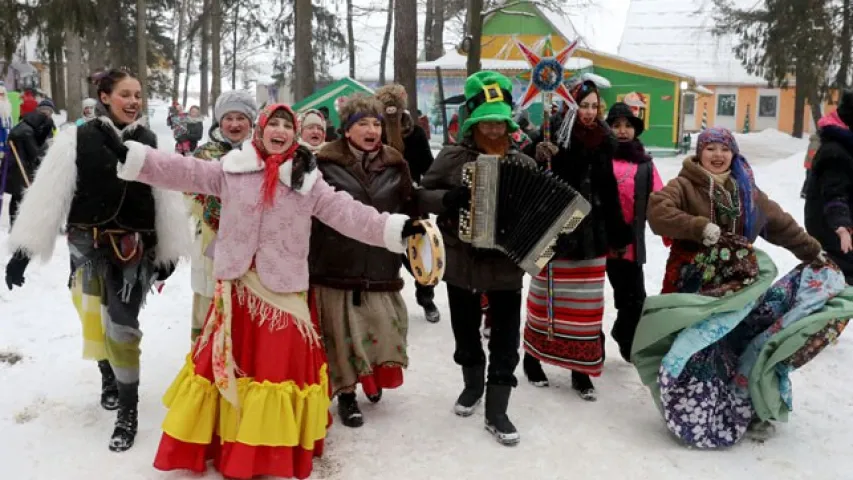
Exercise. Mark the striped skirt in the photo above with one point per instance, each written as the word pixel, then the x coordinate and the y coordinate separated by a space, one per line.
pixel 570 337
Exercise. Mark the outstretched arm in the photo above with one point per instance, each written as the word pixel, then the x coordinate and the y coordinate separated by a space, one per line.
pixel 171 171
pixel 356 220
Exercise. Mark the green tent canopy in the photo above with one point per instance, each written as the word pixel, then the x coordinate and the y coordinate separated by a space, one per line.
pixel 326 97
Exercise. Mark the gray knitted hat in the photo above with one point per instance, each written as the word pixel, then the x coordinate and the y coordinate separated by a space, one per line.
pixel 235 101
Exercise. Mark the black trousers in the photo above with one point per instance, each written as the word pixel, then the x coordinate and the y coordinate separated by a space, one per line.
pixel 423 293
pixel 629 293
pixel 14 204
pixel 466 316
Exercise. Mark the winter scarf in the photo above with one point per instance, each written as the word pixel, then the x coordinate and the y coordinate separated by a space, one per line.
pixel 590 136
pixel 632 151
pixel 273 161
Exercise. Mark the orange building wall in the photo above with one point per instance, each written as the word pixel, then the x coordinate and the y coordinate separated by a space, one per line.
pixel 748 95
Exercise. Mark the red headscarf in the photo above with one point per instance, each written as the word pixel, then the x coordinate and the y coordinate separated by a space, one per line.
pixel 272 162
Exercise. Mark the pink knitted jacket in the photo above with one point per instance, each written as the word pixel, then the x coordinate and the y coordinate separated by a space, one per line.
pixel 276 236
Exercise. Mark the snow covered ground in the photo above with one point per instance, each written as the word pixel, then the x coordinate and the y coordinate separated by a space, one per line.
pixel 51 426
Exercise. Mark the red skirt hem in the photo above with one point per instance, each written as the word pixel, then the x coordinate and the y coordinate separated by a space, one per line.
pixel 236 460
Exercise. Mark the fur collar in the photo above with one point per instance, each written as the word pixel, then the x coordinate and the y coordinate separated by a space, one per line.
pixel 339 152
pixel 140 122
pixel 246 160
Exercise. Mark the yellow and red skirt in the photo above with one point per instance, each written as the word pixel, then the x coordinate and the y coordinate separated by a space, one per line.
pixel 279 422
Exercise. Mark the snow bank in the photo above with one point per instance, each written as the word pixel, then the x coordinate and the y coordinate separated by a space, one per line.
pixel 768 146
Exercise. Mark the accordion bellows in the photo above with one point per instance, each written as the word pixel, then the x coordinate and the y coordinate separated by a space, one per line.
pixel 518 209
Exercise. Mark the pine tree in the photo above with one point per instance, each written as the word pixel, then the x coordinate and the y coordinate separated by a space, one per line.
pixel 746 120
pixel 783 40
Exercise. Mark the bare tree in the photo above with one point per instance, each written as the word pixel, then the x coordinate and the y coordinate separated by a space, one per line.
pixel 205 56
pixel 406 48
pixel 176 62
pixel 429 20
pixel 235 29
pixel 216 47
pixel 350 40
pixel 75 74
pixel 845 44
pixel 475 36
pixel 303 72
pixel 96 51
pixel 142 50
pixel 386 39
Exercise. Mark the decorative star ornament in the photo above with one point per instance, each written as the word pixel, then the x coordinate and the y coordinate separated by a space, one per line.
pixel 548 72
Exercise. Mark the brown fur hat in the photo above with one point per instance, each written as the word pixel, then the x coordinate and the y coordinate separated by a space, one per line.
pixel 359 106
pixel 392 95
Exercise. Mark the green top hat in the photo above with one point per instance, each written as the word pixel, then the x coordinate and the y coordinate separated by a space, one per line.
pixel 488 98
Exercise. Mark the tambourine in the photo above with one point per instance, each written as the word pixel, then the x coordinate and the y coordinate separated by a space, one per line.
pixel 426 254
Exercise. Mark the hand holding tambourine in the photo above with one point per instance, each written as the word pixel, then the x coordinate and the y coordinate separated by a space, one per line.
pixel 426 254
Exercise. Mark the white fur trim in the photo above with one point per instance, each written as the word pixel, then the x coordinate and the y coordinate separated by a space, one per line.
pixel 242 160
pixel 47 202
pixel 172 224
pixel 393 233
pixel 285 175
pixel 133 163
pixel 140 122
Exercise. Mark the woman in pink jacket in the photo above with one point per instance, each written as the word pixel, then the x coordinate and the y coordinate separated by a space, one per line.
pixel 636 179
pixel 254 394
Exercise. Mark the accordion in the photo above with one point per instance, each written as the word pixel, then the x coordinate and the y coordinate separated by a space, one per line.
pixel 518 209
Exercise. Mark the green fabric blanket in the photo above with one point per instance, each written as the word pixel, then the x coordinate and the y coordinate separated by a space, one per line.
pixel 664 316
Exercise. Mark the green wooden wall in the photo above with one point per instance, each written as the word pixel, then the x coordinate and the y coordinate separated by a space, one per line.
pixel 662 98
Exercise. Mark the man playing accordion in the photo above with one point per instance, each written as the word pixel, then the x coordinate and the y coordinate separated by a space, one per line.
pixel 472 271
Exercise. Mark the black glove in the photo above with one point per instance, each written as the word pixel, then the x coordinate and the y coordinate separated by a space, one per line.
pixel 410 229
pixel 113 141
pixel 456 199
pixel 304 162
pixel 15 269
pixel 165 272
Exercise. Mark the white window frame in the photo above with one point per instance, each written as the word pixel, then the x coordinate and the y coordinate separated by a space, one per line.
pixel 728 94
pixel 767 94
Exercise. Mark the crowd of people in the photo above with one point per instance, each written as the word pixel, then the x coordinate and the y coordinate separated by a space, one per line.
pixel 300 230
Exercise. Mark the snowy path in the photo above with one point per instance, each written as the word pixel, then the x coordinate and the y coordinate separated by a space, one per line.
pixel 51 426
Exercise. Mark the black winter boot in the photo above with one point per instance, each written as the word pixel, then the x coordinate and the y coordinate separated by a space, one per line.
pixel 475 383
pixel 497 421
pixel 424 295
pixel 126 419
pixel 582 384
pixel 348 410
pixel 109 389
pixel 533 370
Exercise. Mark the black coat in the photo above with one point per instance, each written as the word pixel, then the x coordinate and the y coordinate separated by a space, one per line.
pixel 101 199
pixel 418 152
pixel 829 193
pixel 590 172
pixel 30 140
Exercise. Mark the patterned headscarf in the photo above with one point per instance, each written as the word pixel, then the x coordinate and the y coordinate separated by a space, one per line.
pixel 717 135
pixel 741 173
pixel 272 162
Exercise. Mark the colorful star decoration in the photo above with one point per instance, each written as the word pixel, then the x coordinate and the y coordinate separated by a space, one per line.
pixel 548 71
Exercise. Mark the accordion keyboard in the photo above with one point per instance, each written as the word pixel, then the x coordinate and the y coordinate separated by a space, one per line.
pixel 518 209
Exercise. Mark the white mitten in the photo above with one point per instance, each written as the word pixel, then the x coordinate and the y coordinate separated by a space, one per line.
pixel 710 235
